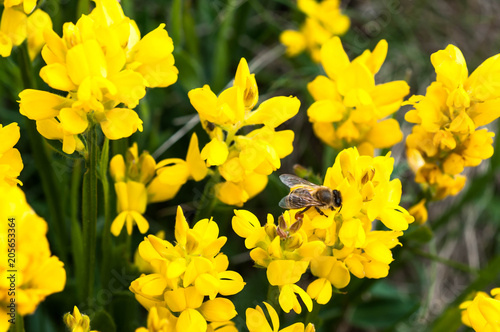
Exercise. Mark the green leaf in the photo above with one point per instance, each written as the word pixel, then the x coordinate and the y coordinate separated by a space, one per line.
pixel 190 35
pixel 129 310
pixel 420 234
pixel 449 321
pixel 192 73
pixel 104 161
pixel 221 63
pixel 383 313
pixel 329 155
pixel 77 249
pixel 175 28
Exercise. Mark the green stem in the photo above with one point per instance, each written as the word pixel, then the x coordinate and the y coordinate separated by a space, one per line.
pixel 312 316
pixel 329 155
pixel 76 231
pixel 106 236
pixel 44 166
pixel 83 8
pixel 208 200
pixel 89 211
pixel 19 325
pixel 26 67
pixel 450 263
pixel 128 248
pixel 273 293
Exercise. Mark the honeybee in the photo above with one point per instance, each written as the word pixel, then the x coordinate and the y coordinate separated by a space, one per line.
pixel 305 194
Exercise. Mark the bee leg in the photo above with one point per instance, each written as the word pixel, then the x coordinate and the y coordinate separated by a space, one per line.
pixel 340 209
pixel 302 212
pixel 332 208
pixel 320 212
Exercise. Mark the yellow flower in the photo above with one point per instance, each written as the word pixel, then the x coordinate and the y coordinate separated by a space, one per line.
pixel 142 265
pixel 159 320
pixel 39 274
pixel 285 273
pixel 77 322
pixel 140 180
pixel 243 161
pixel 419 212
pixel 132 199
pixel 27 5
pixel 17 25
pixel 330 271
pixel 172 173
pixel 283 249
pixel 12 30
pixel 38 21
pixel 228 326
pixel 445 137
pixel 323 21
pixel 215 152
pixel 11 163
pixel 103 67
pixel 332 244
pixel 247 83
pixel 349 109
pixel 184 274
pixel 162 320
pixel 483 312
pixel 256 321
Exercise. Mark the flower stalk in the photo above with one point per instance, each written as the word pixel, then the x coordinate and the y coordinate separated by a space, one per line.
pixel 19 325
pixel 89 210
pixel 208 199
pixel 312 316
pixel 76 230
pixel 106 236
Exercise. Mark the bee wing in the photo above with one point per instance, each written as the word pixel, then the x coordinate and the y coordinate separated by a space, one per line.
pixel 298 198
pixel 294 181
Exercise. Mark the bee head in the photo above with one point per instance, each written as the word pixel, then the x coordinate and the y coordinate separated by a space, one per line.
pixel 324 196
pixel 337 198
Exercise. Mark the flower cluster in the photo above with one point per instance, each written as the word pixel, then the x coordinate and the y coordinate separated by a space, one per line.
pixel 445 137
pixel 100 63
pixel 483 312
pixel 160 319
pixel 331 243
pixel 139 180
pixel 38 273
pixel 257 322
pixel 11 163
pixel 184 275
pixel 323 21
pixel 76 322
pixel 20 21
pixel 349 108
pixel 244 161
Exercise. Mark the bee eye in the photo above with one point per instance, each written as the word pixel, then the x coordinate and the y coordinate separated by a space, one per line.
pixel 337 198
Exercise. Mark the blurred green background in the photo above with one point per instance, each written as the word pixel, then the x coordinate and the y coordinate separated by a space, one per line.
pixel 438 263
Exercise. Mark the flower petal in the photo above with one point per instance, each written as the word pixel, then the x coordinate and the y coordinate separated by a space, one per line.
pixel 121 122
